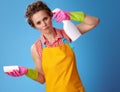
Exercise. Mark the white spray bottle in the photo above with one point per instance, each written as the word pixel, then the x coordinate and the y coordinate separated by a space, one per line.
pixel 70 29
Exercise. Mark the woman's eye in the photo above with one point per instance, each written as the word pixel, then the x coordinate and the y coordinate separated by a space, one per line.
pixel 38 22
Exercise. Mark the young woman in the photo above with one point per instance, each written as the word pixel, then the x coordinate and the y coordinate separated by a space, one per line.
pixel 53 56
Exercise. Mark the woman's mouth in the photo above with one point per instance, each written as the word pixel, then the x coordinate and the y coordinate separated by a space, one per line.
pixel 45 28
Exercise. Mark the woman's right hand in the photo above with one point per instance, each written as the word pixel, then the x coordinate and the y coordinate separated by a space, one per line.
pixel 60 15
pixel 18 72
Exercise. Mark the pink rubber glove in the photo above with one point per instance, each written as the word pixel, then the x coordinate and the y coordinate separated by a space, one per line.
pixel 61 15
pixel 17 73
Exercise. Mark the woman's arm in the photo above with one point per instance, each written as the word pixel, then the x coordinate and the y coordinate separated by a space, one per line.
pixel 89 23
pixel 38 65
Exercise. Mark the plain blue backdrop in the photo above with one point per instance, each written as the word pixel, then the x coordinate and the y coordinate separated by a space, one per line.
pixel 97 52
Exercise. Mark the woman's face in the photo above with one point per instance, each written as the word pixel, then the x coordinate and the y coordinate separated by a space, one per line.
pixel 42 21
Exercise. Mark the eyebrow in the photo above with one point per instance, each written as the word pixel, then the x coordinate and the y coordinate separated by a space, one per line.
pixel 45 17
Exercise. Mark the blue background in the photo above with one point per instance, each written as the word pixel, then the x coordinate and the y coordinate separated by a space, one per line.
pixel 97 52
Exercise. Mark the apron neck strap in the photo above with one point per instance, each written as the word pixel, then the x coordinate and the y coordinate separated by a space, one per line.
pixel 64 40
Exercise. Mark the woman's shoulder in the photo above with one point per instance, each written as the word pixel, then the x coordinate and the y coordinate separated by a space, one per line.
pixel 35 54
pixel 36 47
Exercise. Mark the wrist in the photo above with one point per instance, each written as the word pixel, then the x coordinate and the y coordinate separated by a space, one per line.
pixel 31 73
pixel 77 16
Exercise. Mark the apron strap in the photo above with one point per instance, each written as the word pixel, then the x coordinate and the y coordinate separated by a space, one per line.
pixel 43 45
pixel 64 40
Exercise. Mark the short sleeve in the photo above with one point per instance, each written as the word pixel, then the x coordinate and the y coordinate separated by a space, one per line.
pixel 38 46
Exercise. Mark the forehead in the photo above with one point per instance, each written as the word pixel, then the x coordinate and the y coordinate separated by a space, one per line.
pixel 39 15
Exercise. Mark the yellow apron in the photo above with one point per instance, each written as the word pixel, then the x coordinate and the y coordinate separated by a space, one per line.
pixel 59 66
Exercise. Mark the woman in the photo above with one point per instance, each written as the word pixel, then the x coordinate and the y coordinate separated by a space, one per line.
pixel 53 57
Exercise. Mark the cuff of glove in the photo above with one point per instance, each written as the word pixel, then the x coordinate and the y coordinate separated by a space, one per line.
pixel 33 74
pixel 77 16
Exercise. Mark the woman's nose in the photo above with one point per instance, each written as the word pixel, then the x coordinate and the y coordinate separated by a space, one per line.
pixel 43 24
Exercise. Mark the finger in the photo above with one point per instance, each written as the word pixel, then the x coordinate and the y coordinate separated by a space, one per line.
pixel 16 73
pixel 57 14
pixel 60 19
pixel 10 74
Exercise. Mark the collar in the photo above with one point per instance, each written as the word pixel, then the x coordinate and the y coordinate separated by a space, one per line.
pixel 58 36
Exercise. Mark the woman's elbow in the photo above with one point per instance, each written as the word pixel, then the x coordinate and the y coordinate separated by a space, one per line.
pixel 42 82
pixel 40 79
pixel 97 21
